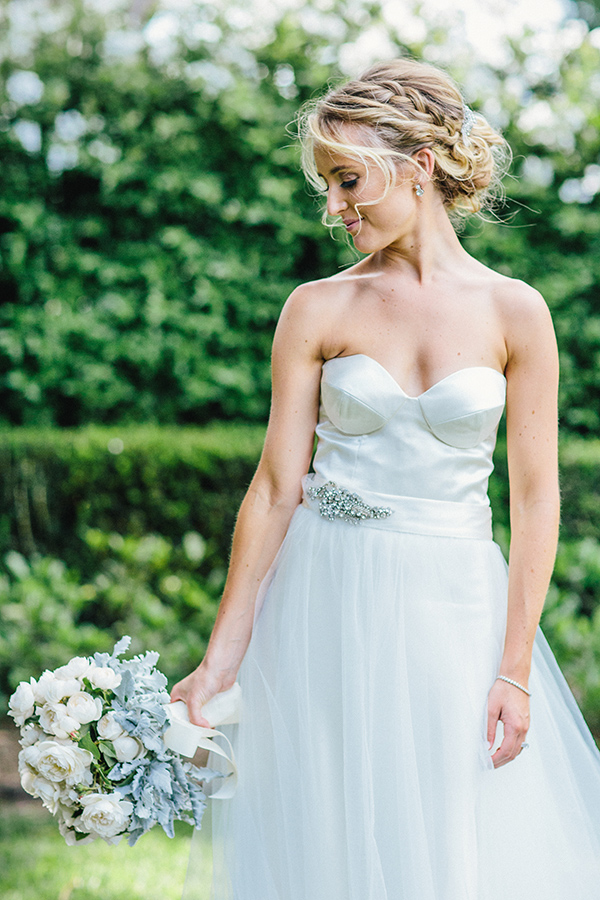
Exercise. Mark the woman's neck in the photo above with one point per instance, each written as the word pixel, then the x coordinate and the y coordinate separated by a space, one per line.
pixel 429 249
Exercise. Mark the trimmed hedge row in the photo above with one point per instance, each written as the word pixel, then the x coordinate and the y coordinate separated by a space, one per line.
pixel 56 484
pixel 136 480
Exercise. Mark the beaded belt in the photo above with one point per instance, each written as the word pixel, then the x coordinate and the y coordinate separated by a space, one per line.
pixel 413 515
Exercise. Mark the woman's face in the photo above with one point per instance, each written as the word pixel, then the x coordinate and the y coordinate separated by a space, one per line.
pixel 353 193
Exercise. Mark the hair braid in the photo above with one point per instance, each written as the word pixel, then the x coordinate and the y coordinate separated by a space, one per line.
pixel 406 105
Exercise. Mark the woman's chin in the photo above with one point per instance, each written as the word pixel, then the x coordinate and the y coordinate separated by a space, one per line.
pixel 364 244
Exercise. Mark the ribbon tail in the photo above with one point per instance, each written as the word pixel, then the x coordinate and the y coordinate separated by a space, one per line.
pixel 229 784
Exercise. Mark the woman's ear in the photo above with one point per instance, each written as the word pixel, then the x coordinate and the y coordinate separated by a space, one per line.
pixel 425 159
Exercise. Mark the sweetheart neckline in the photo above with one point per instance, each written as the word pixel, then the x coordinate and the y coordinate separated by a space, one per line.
pixel 400 388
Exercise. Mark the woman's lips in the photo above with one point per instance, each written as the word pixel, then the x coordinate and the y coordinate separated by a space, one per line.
pixel 351 224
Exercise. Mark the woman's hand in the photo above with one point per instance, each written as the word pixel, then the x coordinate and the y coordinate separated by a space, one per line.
pixel 510 705
pixel 195 690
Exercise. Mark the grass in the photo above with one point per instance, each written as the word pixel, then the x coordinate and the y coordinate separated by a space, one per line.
pixel 36 864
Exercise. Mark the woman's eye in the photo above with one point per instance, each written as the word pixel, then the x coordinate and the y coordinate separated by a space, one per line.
pixel 349 184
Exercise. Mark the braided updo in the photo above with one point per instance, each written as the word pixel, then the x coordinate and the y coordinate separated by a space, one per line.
pixel 403 106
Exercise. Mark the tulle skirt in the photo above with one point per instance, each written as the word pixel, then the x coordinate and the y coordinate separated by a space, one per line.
pixel 364 769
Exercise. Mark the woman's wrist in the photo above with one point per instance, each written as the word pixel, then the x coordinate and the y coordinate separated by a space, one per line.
pixel 516 667
pixel 514 683
pixel 220 672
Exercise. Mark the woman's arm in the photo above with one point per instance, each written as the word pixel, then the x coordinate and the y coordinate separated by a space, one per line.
pixel 272 497
pixel 532 427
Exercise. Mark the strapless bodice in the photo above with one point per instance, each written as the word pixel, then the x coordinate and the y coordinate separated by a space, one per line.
pixel 439 445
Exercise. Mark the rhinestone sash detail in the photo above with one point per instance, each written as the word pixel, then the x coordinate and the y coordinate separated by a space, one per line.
pixel 338 503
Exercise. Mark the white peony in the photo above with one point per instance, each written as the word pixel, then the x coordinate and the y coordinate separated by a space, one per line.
pixel 128 748
pixel 104 815
pixel 109 728
pixel 62 762
pixel 104 678
pixel 78 667
pixel 55 719
pixel 83 707
pixel 22 703
pixel 49 792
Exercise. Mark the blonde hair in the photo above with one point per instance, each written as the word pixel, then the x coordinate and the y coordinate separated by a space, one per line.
pixel 403 106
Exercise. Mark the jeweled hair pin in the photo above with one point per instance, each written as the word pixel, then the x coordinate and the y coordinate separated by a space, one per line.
pixel 468 122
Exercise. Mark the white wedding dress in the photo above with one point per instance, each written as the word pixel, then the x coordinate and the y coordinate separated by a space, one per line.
pixel 364 771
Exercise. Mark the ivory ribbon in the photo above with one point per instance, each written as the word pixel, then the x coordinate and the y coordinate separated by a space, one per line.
pixel 182 736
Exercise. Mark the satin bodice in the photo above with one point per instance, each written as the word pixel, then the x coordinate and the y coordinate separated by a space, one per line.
pixel 439 445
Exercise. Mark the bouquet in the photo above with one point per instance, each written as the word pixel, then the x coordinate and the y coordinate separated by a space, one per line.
pixel 93 750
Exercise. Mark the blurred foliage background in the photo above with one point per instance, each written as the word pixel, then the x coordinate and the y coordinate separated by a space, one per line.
pixel 153 219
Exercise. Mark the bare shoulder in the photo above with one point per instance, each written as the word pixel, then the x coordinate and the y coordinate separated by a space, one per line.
pixel 312 308
pixel 322 292
pixel 517 303
pixel 527 326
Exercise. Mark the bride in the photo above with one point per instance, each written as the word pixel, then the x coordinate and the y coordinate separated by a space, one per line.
pixel 406 733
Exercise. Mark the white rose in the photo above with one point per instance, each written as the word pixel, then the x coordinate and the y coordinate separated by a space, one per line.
pixel 31 734
pixel 65 826
pixel 69 798
pixel 83 707
pixel 104 678
pixel 44 690
pixel 22 703
pixel 104 815
pixel 62 762
pixel 27 780
pixel 28 758
pixel 70 686
pixel 49 792
pixel 78 667
pixel 55 719
pixel 50 689
pixel 109 728
pixel 128 748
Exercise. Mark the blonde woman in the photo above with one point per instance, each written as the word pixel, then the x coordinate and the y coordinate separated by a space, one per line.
pixel 406 733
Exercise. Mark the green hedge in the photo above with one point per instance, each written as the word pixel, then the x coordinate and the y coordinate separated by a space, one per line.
pixel 56 484
pixel 136 480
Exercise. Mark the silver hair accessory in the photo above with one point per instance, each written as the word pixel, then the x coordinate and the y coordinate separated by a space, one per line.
pixel 468 122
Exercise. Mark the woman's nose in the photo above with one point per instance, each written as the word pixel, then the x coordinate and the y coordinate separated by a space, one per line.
pixel 336 201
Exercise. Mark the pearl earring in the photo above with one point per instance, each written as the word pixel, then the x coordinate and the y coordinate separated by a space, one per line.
pixel 419 190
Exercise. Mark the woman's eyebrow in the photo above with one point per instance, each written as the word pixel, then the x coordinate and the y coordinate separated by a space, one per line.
pixel 335 170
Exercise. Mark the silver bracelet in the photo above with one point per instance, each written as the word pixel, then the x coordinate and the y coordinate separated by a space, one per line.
pixel 514 683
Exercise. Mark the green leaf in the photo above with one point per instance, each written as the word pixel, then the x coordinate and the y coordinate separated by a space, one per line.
pixel 107 748
pixel 86 743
